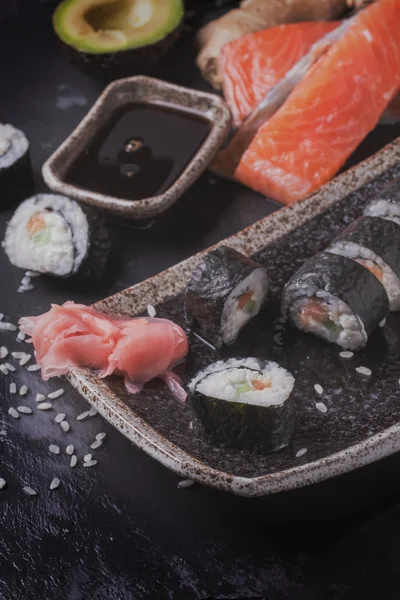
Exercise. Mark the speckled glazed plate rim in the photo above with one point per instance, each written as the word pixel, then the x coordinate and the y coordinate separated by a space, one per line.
pixel 151 90
pixel 171 282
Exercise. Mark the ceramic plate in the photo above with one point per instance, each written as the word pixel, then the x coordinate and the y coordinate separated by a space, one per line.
pixel 361 423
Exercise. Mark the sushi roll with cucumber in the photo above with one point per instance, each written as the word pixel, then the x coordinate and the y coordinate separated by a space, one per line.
pixel 245 403
pixel 336 299
pixel 387 204
pixel 16 181
pixel 225 291
pixel 374 242
pixel 55 235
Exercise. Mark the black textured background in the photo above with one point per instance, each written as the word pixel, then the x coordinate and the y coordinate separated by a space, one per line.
pixel 123 530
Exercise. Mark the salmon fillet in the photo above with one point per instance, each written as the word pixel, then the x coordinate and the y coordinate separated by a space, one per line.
pixel 254 63
pixel 330 112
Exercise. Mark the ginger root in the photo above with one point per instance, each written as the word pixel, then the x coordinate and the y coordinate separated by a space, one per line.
pixel 254 15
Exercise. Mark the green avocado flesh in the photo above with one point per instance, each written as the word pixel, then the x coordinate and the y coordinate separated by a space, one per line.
pixel 105 26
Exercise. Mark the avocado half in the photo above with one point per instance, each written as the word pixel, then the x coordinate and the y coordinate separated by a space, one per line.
pixel 116 38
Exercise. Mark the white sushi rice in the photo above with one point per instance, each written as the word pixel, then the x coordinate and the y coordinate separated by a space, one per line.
pixel 13 145
pixel 3 352
pixel 384 209
pixel 13 412
pixel 7 326
pixel 321 407
pixel 364 371
pixel 59 242
pixel 10 367
pixel 70 449
pixel 54 449
pixel 24 410
pixel 301 452
pixel 55 394
pixel 3 483
pixel 33 368
pixel 346 354
pixel 60 417
pixel 30 491
pixel 229 380
pixel 54 484
pixel 100 436
pixel 44 406
pixel 65 426
pixel 13 388
pixel 21 336
pixel 352 334
pixel 91 463
pixel 185 483
pixel 96 444
pixel 3 369
pixel 390 281
pixel 23 390
pixel 74 460
pixel 233 318
pixel 82 416
pixel 151 311
pixel 87 457
pixel 40 397
pixel 25 359
pixel 318 388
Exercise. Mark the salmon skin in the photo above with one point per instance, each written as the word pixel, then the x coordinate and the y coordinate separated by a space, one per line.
pixel 329 113
pixel 253 64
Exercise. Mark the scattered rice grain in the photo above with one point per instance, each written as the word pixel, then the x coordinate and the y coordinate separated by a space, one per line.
pixel 65 426
pixel 54 449
pixel 25 360
pixel 82 416
pixel 55 394
pixel 321 407
pixel 28 490
pixel 60 417
pixel 23 390
pixel 346 354
pixel 318 388
pixel 364 371
pixel 3 483
pixel 18 355
pixel 92 412
pixel 100 436
pixel 7 326
pixel 25 280
pixel 185 483
pixel 87 457
pixel 3 352
pixel 34 368
pixel 40 397
pixel 25 288
pixel 3 432
pixel 1 316
pixel 21 336
pixel 69 449
pixel 13 388
pixel 32 274
pixel 91 463
pixel 151 311
pixel 45 406
pixel 301 452
pixel 24 410
pixel 54 484
pixel 10 367
pixel 382 323
pixel 13 412
pixel 4 369
pixel 96 444
pixel 73 461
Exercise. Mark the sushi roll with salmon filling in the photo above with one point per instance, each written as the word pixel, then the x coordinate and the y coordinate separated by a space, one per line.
pixel 225 291
pixel 336 299
pixel 374 243
pixel 55 235
pixel 16 182
pixel 387 204
pixel 245 403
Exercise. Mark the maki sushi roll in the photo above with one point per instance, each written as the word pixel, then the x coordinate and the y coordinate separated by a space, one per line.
pixel 387 204
pixel 245 403
pixel 225 291
pixel 55 235
pixel 374 243
pixel 336 299
pixel 16 181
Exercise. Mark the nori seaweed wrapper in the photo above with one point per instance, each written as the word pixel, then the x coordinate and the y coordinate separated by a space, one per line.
pixel 345 279
pixel 261 429
pixel 379 235
pixel 16 181
pixel 98 250
pixel 209 287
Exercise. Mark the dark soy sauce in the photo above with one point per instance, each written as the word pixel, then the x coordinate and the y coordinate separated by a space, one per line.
pixel 140 152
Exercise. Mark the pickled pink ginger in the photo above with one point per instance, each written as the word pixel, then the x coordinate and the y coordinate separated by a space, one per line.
pixel 142 348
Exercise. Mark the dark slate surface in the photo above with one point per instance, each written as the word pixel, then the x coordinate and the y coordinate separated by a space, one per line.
pixel 123 530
